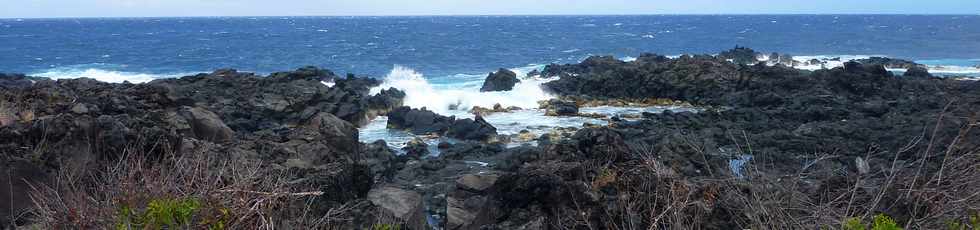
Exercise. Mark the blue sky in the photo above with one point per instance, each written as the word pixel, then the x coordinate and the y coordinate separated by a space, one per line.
pixel 154 8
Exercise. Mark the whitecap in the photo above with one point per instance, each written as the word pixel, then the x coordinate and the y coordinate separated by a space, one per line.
pixel 462 93
pixel 102 75
pixel 648 36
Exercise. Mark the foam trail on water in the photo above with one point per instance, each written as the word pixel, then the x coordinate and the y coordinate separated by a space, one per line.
pixel 420 92
pixel 101 75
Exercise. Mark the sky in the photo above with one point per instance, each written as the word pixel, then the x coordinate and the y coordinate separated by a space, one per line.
pixel 180 8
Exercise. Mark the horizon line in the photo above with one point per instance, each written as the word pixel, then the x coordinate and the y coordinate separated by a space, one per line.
pixel 498 15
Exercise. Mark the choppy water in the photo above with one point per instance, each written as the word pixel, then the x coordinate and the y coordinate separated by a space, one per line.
pixel 442 60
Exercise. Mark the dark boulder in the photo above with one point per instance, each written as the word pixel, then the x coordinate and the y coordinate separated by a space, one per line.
pixel 893 63
pixel 416 149
pixel 917 71
pixel 502 80
pixel 740 55
pixel 206 125
pixel 419 121
pixel 476 129
pixel 555 107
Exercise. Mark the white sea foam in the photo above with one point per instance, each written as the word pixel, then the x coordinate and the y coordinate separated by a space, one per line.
pixel 102 75
pixel 419 92
pixel 833 61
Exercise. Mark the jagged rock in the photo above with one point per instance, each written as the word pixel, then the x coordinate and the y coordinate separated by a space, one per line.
pixel 476 182
pixel 79 108
pixel 416 148
pixel 917 71
pixel 405 206
pixel 740 55
pixel 502 80
pixel 419 121
pixel 206 125
pixel 555 107
pixel 476 129
pixel 890 62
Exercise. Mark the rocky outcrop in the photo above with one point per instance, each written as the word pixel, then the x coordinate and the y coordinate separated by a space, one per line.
pixel 476 129
pixel 502 80
pixel 421 121
pixel 556 107
pixel 892 63
pixel 783 113
pixel 740 55
pixel 287 120
pixel 687 78
pixel 203 124
pixel 403 206
pixel 466 205
pixel 917 71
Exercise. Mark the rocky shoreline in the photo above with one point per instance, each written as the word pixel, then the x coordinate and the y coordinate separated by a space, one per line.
pixel 770 137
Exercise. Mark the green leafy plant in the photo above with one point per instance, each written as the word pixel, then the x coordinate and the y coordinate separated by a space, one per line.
pixel 159 213
pixel 170 212
pixel 854 223
pixel 972 224
pixel 880 222
pixel 386 227
pixel 883 222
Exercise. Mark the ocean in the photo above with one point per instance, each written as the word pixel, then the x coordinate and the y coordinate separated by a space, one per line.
pixel 442 60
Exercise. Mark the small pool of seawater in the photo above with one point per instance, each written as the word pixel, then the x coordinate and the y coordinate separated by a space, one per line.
pixel 511 123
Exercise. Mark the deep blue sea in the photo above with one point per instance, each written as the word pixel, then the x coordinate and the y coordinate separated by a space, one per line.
pixel 441 61
pixel 441 46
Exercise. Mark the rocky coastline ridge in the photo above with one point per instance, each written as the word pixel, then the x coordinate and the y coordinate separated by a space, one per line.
pixel 773 148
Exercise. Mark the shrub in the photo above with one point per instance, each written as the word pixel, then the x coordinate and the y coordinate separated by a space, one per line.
pixel 190 191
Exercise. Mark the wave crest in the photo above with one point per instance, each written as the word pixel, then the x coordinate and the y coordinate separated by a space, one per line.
pixel 440 97
pixel 101 75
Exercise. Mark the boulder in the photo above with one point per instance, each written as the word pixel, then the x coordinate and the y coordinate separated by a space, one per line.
pixel 206 125
pixel 467 203
pixel 476 129
pixel 917 71
pixel 740 55
pixel 419 121
pixel 476 182
pixel 404 206
pixel 502 80
pixel 416 148
pixel 557 107
pixel 894 63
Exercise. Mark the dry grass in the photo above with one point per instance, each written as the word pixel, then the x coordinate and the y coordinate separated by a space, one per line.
pixel 226 193
pixel 936 187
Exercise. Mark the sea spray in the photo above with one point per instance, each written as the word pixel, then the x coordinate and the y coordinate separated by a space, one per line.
pixel 463 95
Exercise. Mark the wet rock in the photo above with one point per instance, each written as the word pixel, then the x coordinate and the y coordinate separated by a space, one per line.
pixel 476 129
pixel 419 121
pixel 497 108
pixel 502 80
pixel 890 62
pixel 917 71
pixel 534 73
pixel 555 107
pixel 416 149
pixel 740 55
pixel 405 206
